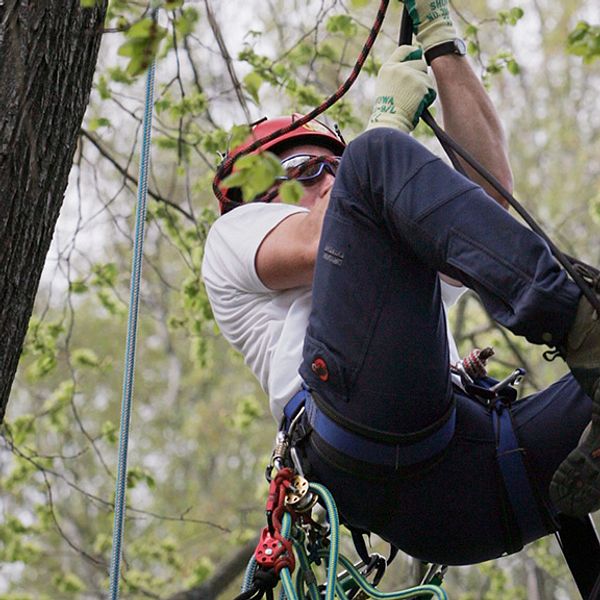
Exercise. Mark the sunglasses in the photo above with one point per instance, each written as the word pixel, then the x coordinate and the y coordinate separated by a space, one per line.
pixel 307 168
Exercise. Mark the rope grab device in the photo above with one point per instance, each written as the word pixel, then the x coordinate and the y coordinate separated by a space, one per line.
pixel 302 521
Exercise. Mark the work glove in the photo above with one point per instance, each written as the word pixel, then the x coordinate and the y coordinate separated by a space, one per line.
pixel 431 22
pixel 404 89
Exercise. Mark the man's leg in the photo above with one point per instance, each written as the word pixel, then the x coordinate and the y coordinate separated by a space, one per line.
pixel 429 218
pixel 456 511
pixel 397 216
pixel 376 347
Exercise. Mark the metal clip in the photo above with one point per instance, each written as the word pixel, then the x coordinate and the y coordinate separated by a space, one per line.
pixel 512 380
pixel 279 453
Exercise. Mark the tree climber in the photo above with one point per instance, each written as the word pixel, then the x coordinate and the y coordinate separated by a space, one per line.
pixel 346 294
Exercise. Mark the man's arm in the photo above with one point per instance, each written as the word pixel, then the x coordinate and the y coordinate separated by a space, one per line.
pixel 286 257
pixel 471 119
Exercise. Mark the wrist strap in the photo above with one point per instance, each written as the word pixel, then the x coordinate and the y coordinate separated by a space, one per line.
pixel 456 46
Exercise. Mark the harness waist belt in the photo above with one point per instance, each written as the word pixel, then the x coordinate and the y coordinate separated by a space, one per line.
pixel 368 450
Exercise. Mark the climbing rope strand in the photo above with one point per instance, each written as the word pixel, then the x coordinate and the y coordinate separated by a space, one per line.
pixel 414 592
pixel 130 347
pixel 335 586
pixel 225 167
pixel 563 259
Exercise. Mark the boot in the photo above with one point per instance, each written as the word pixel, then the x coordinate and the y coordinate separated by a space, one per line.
pixel 575 486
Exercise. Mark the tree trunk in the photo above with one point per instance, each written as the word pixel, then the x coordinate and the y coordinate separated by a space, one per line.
pixel 48 52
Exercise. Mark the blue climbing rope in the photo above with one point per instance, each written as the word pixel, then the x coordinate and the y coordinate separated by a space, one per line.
pixel 134 301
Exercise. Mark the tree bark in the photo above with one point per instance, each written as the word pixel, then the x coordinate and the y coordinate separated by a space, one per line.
pixel 48 53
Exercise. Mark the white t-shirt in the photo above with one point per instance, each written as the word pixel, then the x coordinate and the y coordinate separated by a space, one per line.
pixel 266 326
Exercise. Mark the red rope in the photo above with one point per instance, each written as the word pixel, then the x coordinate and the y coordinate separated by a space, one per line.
pixel 226 166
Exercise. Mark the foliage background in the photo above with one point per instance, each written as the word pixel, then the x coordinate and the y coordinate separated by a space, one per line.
pixel 201 432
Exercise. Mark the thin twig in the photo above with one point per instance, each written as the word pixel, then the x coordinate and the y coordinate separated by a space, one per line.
pixel 130 177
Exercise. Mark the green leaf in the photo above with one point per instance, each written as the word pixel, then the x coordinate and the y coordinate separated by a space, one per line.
pixel 89 3
pixel 84 357
pixel 78 286
pixel 118 75
pixel 238 135
pixel 137 475
pixel 291 192
pixel 68 583
pixel 343 24
pixel 105 274
pixel 102 87
pixel 42 366
pixel 163 104
pixel 172 4
pixel 110 302
pixel 471 30
pixel 200 573
pixel 21 428
pixel 517 13
pixel 254 174
pixel 248 410
pixel 186 22
pixel 252 82
pixel 61 396
pixel 472 48
pixel 308 96
pixel 513 67
pixel 584 41
pixel 98 122
pixel 142 45
pixel 109 432
pixel 102 543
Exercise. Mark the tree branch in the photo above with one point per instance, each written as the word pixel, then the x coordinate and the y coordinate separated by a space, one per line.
pixel 222 577
pixel 106 154
pixel 227 58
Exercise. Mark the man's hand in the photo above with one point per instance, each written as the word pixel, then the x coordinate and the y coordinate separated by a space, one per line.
pixel 431 22
pixel 403 90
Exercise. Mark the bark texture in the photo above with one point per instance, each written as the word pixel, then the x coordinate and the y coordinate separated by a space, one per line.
pixel 48 53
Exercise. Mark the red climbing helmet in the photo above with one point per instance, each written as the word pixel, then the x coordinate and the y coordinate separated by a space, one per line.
pixel 313 132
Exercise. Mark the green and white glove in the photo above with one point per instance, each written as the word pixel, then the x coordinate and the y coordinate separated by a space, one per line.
pixel 431 22
pixel 404 89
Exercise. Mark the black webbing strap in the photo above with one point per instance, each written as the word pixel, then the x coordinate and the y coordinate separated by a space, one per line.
pixel 579 543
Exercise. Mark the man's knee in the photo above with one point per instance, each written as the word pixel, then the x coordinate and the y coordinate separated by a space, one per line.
pixel 379 141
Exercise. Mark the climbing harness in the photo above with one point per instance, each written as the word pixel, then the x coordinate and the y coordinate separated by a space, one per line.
pixel 302 533
pixel 294 504
pixel 130 348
